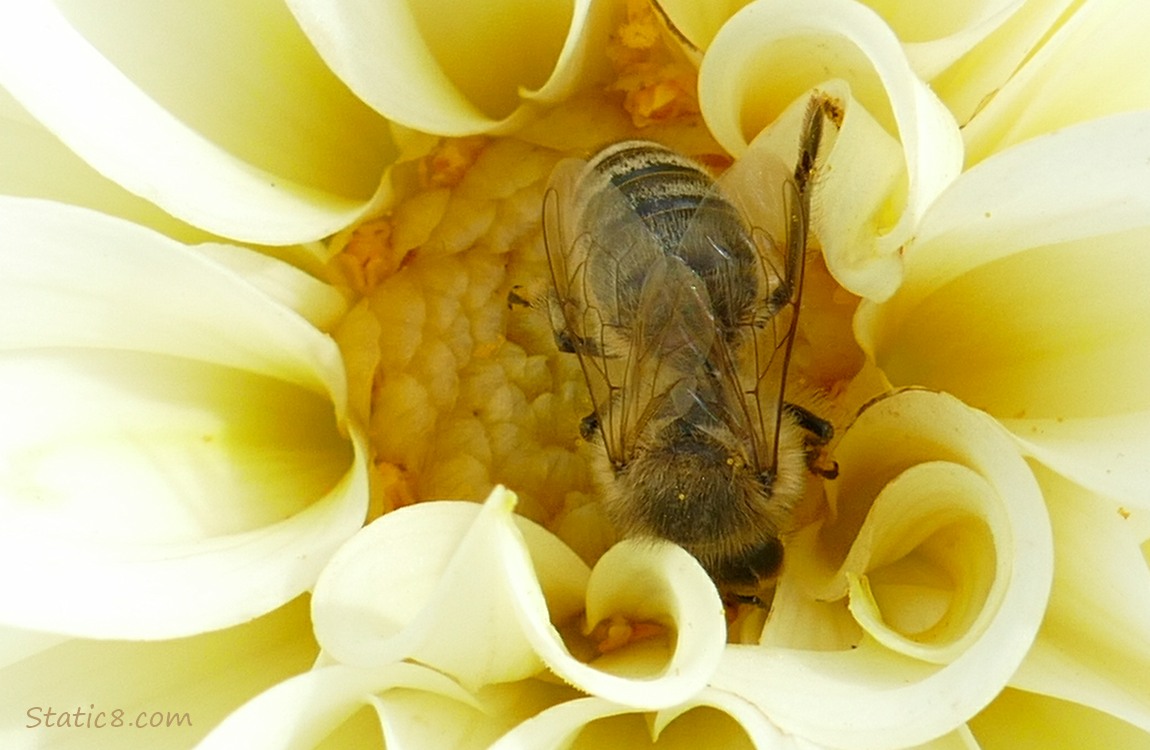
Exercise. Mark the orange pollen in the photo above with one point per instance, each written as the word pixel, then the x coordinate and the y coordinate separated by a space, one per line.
pixel 448 162
pixel 617 631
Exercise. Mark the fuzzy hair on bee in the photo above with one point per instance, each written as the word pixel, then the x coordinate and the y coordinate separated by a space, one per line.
pixel 671 289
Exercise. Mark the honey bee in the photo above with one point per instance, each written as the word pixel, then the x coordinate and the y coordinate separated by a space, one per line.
pixel 683 312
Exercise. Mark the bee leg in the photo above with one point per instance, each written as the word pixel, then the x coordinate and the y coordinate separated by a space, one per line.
pixel 820 430
pixel 819 433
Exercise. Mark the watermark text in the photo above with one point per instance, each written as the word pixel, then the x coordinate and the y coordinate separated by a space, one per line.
pixel 50 717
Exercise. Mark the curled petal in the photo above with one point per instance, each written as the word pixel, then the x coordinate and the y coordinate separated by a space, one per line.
pixel 947 564
pixel 442 583
pixel 1092 648
pixel 897 146
pixel 457 70
pixel 712 718
pixel 302 711
pixel 1024 295
pixel 94 81
pixel 175 450
pixel 924 575
pixel 730 722
pixel 560 726
pixel 490 590
pixel 1067 81
pixel 676 594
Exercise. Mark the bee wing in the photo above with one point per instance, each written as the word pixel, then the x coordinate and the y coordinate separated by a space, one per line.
pixel 751 359
pixel 674 334
pixel 639 321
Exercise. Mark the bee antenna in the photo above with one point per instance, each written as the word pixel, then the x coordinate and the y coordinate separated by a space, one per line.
pixel 820 107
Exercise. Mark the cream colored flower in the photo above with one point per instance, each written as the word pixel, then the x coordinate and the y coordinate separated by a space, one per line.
pixel 147 494
pixel 934 594
pixel 177 455
pixel 143 693
pixel 224 117
pixel 1029 310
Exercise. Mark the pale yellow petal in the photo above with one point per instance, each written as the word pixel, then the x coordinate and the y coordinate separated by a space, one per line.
pixel 699 22
pixel 947 562
pixel 175 442
pixel 186 686
pixel 561 726
pixel 898 146
pixel 1093 647
pixel 444 584
pixel 1093 65
pixel 1018 720
pixel 320 304
pixel 38 165
pixel 713 718
pixel 302 711
pixel 222 116
pixel 1109 454
pixel 456 69
pixel 973 80
pixel 727 720
pixel 934 40
pixel 492 592
pixel 678 595
pixel 960 739
pixel 1025 296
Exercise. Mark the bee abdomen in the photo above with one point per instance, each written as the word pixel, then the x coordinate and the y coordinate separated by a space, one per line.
pixel 662 187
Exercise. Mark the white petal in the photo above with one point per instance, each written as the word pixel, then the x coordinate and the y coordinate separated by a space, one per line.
pixel 1024 295
pixel 322 305
pixel 896 137
pixel 302 711
pixel 676 593
pixel 251 151
pixel 442 583
pixel 1093 647
pixel 558 727
pixel 712 719
pixel 1109 454
pixel 937 39
pixel 1019 719
pixel 699 22
pixel 886 691
pixel 38 165
pixel 968 84
pixel 455 70
pixel 1092 66
pixel 203 679
pixel 488 590
pixel 959 739
pixel 175 448
pixel 744 724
